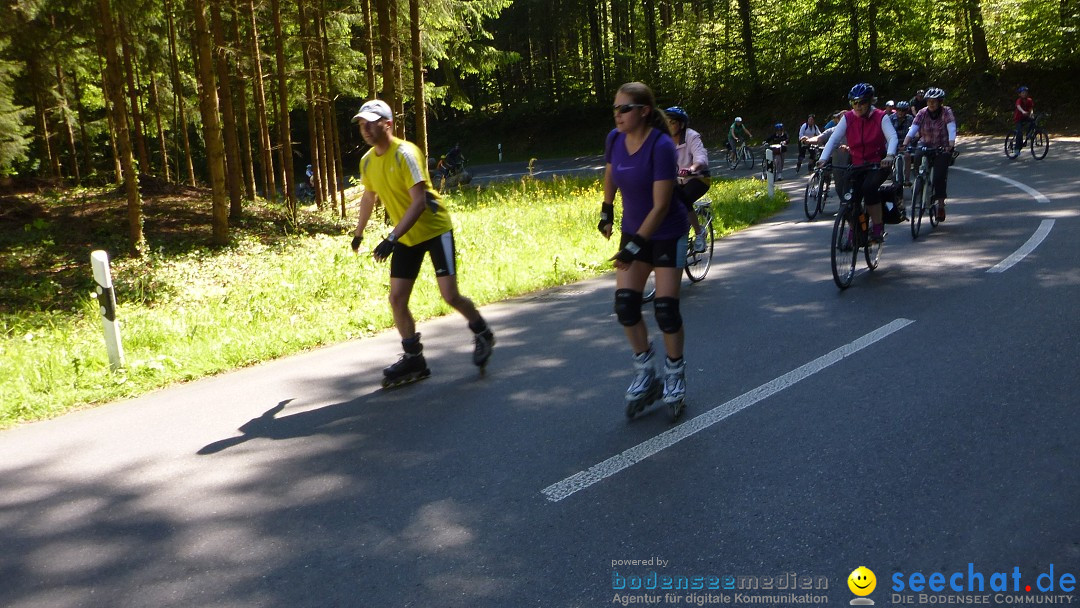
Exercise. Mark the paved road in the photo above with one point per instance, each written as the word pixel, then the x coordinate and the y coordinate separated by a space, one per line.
pixel 920 421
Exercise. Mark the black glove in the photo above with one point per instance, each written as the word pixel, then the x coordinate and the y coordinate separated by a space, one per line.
pixel 386 247
pixel 607 217
pixel 356 242
pixel 630 249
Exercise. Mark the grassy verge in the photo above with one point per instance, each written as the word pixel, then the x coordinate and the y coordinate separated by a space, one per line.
pixel 188 312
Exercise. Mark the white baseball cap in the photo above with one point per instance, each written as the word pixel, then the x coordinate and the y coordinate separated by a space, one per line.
pixel 373 110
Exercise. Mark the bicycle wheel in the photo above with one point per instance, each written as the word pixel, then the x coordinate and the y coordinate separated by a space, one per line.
pixel 917 206
pixel 1040 144
pixel 931 208
pixel 898 170
pixel 842 250
pixel 697 264
pixel 1011 150
pixel 748 157
pixel 650 290
pixel 812 197
pixel 872 253
pixel 823 193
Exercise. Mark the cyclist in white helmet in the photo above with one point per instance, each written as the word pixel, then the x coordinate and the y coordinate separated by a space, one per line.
pixel 935 127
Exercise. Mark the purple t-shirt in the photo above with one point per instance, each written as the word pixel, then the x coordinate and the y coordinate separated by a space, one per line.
pixel 634 175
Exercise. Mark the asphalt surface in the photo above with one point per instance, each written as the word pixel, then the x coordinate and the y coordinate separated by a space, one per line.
pixel 921 421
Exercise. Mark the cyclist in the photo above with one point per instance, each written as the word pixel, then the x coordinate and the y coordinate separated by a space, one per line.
pixel 1023 114
pixel 834 118
pixel 693 181
pixel 806 131
pixel 901 120
pixel 737 133
pixel 917 102
pixel 778 141
pixel 935 127
pixel 393 172
pixel 890 107
pixel 870 139
pixel 640 163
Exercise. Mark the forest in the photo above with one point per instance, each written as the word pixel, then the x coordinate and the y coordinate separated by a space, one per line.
pixel 241 95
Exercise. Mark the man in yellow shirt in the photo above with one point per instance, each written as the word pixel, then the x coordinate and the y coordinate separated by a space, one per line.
pixel 393 171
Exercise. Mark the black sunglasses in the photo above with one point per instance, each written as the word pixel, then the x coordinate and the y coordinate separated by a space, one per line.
pixel 626 107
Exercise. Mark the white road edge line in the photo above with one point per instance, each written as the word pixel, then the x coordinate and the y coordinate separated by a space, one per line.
pixel 1040 233
pixel 643 450
pixel 1035 194
pixel 1033 242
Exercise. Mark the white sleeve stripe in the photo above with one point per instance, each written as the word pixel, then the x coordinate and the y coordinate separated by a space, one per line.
pixel 414 166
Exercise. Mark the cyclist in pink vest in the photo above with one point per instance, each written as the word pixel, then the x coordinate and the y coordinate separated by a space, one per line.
pixel 871 140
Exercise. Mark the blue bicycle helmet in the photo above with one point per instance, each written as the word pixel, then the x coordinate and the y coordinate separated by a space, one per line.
pixel 935 93
pixel 1021 89
pixel 678 113
pixel 863 91
pixel 778 126
pixel 903 105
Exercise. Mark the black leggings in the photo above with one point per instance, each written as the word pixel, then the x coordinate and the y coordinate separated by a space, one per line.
pixel 690 192
pixel 865 185
pixel 941 162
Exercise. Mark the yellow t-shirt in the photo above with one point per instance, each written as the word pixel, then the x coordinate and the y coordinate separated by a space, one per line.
pixel 391 175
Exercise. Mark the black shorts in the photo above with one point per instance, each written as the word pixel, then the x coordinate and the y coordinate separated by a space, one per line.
pixel 662 253
pixel 405 261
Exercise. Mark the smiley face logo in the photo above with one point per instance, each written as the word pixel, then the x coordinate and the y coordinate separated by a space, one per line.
pixel 862 581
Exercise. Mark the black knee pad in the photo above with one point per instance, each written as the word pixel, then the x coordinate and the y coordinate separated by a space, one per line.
pixel 628 306
pixel 667 315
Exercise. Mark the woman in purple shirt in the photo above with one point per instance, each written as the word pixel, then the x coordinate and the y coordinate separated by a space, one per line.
pixel 641 165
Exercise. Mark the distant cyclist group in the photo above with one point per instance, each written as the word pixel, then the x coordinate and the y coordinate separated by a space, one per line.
pixel 660 167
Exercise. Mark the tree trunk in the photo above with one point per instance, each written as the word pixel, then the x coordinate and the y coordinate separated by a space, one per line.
pixel 178 93
pixel 65 115
pixel 208 106
pixel 133 94
pixel 161 132
pixel 597 53
pixel 284 126
pixel 650 33
pixel 369 47
pixel 872 47
pixel 120 124
pixel 853 41
pixel 265 148
pixel 233 173
pixel 240 87
pixel 81 110
pixel 419 103
pixel 312 114
pixel 326 99
pixel 979 51
pixel 389 93
pixel 118 174
pixel 398 103
pixel 748 46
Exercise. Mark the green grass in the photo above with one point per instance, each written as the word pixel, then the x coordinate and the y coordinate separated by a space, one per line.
pixel 192 312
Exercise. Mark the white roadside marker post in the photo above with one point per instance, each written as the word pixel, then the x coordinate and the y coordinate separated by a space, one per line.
pixel 99 260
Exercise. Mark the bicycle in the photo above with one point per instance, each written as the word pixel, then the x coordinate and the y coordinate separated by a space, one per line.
pixel 1035 137
pixel 741 153
pixel 817 190
pixel 851 230
pixel 922 190
pixel 697 263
